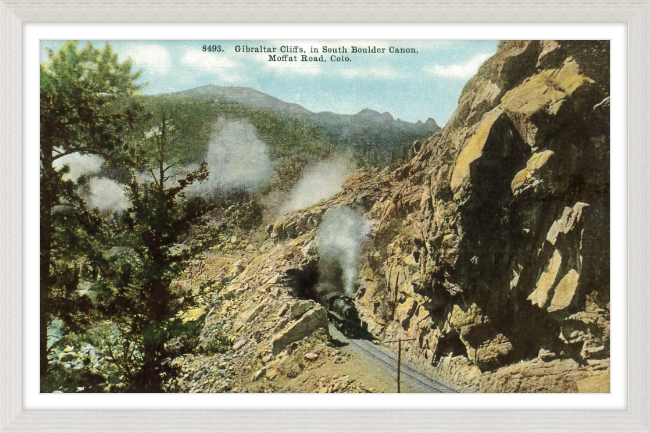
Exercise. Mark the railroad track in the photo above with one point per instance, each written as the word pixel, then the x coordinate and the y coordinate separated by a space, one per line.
pixel 408 372
pixel 388 359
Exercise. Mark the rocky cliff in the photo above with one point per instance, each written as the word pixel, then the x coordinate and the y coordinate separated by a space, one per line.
pixel 494 245
pixel 489 249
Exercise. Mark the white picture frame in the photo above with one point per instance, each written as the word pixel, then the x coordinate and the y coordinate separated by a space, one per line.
pixel 13 13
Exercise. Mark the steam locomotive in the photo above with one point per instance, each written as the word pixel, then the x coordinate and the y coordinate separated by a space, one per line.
pixel 342 312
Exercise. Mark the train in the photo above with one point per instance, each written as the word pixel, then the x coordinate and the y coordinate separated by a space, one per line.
pixel 342 312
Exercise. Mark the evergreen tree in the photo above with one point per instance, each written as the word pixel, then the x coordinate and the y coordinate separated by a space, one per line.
pixel 142 302
pixel 82 110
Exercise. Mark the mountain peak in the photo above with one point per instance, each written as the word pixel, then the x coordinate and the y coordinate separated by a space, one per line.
pixel 431 123
pixel 248 97
pixel 369 114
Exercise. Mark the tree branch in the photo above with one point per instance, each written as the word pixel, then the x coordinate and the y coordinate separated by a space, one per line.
pixel 75 120
pixel 90 150
pixel 116 361
pixel 154 177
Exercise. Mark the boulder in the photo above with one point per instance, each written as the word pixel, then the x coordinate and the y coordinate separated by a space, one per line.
pixel 473 149
pixel 300 308
pixel 465 320
pixel 545 355
pixel 283 310
pixel 309 323
pixel 546 91
pixel 248 316
pixel 67 356
pixel 531 174
pixel 193 315
pixel 492 353
pixel 405 311
pixel 238 345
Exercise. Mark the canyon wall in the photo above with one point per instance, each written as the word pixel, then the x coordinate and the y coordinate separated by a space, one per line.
pixel 493 247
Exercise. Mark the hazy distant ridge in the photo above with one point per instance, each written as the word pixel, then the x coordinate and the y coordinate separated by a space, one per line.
pixel 367 131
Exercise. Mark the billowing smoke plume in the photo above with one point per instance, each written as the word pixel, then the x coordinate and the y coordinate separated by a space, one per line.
pixel 101 193
pixel 236 159
pixel 106 195
pixel 340 236
pixel 79 165
pixel 318 183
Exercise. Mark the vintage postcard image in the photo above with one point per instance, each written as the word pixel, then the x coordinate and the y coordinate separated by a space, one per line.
pixel 324 216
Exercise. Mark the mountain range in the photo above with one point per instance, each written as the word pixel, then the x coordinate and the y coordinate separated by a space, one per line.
pixel 367 131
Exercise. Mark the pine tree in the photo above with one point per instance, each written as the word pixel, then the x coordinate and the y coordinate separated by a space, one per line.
pixel 142 302
pixel 82 110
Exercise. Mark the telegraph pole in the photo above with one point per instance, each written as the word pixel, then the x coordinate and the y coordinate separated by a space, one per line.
pixel 399 360
pixel 399 363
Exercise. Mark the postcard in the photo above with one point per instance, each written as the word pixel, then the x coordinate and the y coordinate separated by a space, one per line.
pixel 325 216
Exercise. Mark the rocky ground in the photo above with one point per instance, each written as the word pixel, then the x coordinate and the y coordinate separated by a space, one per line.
pixel 489 249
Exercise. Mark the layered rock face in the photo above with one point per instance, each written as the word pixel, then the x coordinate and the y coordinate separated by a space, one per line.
pixel 494 245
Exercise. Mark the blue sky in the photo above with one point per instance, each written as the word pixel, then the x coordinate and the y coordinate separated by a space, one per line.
pixel 409 86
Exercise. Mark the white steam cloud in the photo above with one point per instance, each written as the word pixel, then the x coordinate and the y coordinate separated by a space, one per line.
pixel 101 193
pixel 79 165
pixel 236 159
pixel 318 183
pixel 340 236
pixel 106 195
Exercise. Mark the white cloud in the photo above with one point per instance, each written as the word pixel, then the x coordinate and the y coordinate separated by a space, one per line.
pixel 198 59
pixel 155 58
pixel 224 67
pixel 463 70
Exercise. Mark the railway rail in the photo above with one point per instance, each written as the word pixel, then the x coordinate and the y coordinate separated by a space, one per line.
pixel 387 359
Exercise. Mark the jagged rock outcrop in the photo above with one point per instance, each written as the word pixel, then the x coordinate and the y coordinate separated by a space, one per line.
pixel 496 237
pixel 304 327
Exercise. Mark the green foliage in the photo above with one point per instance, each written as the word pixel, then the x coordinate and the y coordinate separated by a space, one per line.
pixel 139 297
pixel 195 118
pixel 294 143
pixel 61 379
pixel 82 98
pixel 84 108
